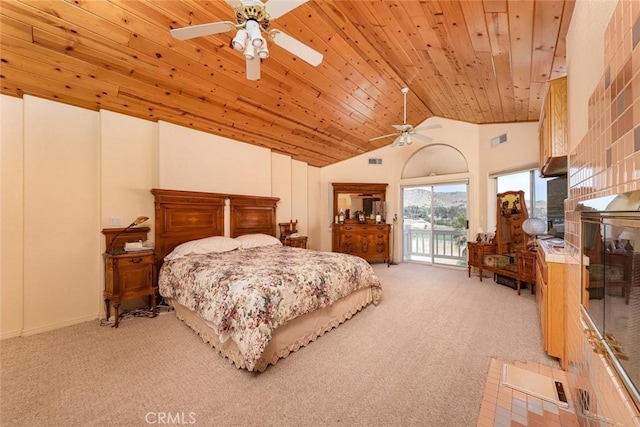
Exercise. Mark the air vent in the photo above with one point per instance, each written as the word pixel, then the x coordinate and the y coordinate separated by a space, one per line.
pixel 499 140
pixel 375 161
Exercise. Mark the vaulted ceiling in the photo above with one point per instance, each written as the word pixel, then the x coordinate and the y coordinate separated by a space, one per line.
pixel 475 61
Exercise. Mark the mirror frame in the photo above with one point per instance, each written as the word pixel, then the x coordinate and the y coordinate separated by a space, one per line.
pixel 504 242
pixel 375 189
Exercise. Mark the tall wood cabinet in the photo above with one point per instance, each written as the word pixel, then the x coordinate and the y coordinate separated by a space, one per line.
pixel 553 129
pixel 359 221
pixel 550 296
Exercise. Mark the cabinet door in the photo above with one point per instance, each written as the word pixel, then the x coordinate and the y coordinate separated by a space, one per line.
pixel 543 314
pixel 135 274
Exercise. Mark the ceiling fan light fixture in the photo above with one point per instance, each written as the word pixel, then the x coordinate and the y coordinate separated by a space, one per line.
pixel 249 51
pixel 263 52
pixel 240 40
pixel 407 139
pixel 253 29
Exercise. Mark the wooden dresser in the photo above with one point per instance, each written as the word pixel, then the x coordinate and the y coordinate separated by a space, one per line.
pixel 369 241
pixel 359 227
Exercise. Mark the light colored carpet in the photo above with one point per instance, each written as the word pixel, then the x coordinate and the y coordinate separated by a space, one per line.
pixel 420 357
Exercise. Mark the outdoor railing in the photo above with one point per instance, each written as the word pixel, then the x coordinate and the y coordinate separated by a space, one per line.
pixel 447 244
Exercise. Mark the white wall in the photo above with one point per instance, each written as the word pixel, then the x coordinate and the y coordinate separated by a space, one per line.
pixel 61 216
pixel 197 161
pixel 129 168
pixel 67 171
pixel 11 216
pixel 473 141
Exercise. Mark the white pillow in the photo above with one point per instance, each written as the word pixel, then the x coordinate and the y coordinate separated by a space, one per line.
pixel 257 240
pixel 217 244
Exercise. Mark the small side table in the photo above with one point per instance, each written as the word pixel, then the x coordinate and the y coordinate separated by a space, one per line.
pixel 128 276
pixel 296 242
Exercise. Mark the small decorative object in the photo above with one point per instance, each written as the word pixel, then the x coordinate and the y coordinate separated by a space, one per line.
pixel 137 221
pixel 516 209
pixel 341 217
pixel 504 207
pixel 378 219
pixel 533 227
pixel 361 217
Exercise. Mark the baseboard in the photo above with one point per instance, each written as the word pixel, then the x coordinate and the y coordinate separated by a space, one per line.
pixel 10 334
pixel 53 326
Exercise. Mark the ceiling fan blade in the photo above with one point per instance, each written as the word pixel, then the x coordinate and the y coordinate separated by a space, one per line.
pixel 421 128
pixel 234 4
pixel 277 8
pixel 186 33
pixel 421 138
pixel 383 136
pixel 296 47
pixel 253 69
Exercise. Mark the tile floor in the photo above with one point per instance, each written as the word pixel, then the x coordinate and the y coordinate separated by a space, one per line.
pixel 505 407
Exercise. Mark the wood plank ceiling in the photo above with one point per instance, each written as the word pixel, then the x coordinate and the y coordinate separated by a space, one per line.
pixel 474 61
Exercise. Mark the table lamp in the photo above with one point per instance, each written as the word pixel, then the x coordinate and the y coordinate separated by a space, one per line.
pixel 137 221
pixel 533 227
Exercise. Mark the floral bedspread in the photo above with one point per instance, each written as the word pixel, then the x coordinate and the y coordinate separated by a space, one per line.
pixel 248 293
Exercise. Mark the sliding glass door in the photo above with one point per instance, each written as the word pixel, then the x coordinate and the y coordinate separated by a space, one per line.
pixel 435 224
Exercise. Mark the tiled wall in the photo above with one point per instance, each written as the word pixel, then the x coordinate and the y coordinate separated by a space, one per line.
pixel 605 162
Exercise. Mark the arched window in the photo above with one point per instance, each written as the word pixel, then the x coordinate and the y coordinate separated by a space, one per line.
pixel 435 159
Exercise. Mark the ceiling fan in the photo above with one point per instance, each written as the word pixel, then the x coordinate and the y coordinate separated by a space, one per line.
pixel 253 18
pixel 405 133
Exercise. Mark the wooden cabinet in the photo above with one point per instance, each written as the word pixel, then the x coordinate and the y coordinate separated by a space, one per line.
pixel 477 251
pixel 519 266
pixel 129 276
pixel 295 242
pixel 553 129
pixel 550 297
pixel 368 241
pixel 511 213
pixel 359 228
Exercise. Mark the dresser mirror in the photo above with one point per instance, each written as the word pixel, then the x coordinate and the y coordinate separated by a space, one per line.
pixel 354 199
pixel 511 212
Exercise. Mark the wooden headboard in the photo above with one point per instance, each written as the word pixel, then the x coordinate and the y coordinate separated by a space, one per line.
pixel 252 214
pixel 182 216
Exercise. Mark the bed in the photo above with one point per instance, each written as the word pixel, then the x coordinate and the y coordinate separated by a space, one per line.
pixel 270 299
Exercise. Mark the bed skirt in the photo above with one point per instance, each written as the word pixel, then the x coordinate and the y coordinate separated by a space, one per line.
pixel 286 339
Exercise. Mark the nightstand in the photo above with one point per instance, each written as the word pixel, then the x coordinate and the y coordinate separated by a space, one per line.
pixel 128 276
pixel 296 242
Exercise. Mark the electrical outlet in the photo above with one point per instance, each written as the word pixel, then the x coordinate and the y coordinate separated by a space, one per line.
pixel 116 220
